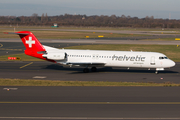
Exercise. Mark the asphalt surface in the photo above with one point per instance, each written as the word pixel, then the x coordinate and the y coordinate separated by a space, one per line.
pixel 89 103
pixel 51 71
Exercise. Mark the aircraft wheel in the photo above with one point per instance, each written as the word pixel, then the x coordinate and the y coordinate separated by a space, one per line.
pixel 93 69
pixel 85 70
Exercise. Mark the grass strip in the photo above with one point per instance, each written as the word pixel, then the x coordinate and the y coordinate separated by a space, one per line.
pixel 43 34
pixel 90 28
pixel 24 82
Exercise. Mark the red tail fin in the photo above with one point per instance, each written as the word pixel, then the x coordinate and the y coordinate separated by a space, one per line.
pixel 32 44
pixel 30 41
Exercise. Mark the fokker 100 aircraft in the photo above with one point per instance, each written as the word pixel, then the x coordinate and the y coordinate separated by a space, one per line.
pixel 93 58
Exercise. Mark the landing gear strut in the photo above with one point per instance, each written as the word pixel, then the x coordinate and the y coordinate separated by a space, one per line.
pixel 93 69
pixel 85 70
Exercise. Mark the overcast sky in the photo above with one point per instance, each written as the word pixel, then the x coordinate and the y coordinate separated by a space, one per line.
pixel 134 8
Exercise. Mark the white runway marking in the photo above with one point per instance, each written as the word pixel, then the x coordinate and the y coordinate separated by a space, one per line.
pixel 39 77
pixel 10 89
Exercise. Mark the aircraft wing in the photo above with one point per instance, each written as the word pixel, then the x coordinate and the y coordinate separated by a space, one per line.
pixel 86 63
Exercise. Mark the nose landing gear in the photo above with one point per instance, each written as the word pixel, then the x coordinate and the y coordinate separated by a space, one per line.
pixel 156 72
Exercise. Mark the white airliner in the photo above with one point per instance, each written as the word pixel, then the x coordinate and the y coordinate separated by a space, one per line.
pixel 93 58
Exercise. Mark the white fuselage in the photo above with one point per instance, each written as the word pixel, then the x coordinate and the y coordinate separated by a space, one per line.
pixel 114 58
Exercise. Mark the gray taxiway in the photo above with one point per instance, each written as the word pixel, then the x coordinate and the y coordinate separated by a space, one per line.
pixel 89 103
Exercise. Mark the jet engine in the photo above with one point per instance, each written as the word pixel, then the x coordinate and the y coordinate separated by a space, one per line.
pixel 55 56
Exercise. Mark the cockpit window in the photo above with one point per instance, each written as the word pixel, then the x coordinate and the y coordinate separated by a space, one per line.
pixel 163 58
pixel 160 58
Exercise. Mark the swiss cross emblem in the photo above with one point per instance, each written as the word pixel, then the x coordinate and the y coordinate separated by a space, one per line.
pixel 30 42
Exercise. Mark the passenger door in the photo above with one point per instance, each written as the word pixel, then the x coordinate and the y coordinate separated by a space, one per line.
pixel 152 61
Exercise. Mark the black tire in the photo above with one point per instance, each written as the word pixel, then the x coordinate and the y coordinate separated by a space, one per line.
pixel 85 70
pixel 93 69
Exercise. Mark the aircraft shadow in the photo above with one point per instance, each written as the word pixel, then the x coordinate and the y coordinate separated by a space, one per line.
pixel 76 70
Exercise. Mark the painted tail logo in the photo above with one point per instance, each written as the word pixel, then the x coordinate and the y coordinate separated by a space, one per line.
pixel 30 42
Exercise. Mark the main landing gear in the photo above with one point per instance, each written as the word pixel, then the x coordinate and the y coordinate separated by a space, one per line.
pixel 93 69
pixel 85 70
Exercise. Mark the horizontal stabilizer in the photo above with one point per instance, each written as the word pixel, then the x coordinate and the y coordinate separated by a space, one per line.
pixel 16 33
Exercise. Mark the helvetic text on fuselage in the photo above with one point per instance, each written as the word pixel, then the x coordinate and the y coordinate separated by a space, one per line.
pixel 129 58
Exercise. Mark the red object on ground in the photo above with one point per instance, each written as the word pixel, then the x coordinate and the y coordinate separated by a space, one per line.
pixel 11 58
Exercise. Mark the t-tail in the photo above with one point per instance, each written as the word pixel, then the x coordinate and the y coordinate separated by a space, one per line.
pixel 33 47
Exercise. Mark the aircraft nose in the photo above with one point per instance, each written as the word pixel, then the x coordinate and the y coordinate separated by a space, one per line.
pixel 172 63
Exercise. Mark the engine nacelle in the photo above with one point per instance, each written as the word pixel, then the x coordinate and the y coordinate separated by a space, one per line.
pixel 55 56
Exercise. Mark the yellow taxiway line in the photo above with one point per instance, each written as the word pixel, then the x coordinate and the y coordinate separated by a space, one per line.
pixel 11 49
pixel 1 45
pixel 26 65
pixel 117 103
